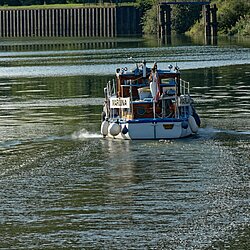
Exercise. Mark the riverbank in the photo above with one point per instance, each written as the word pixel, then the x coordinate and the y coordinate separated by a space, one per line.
pixel 69 5
pixel 233 16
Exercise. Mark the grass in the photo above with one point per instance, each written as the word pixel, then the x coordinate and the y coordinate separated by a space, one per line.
pixel 57 6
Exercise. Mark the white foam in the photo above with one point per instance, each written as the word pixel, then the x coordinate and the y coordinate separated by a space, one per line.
pixel 84 134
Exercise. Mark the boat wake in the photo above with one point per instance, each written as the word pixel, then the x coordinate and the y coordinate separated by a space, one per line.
pixel 84 134
pixel 20 142
pixel 10 143
pixel 211 131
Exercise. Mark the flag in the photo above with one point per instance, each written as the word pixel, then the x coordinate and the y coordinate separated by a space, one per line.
pixel 155 87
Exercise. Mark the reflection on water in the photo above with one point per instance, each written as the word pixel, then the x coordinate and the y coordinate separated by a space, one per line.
pixel 73 60
pixel 64 186
pixel 158 195
pixel 223 95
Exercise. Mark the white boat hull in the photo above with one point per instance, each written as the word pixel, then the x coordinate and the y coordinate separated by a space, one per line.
pixel 153 129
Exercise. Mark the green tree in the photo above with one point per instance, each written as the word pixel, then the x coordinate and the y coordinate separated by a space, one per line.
pixel 230 13
pixel 30 2
pixel 242 27
pixel 145 5
pixel 184 16
pixel 13 2
pixel 150 21
pixel 233 18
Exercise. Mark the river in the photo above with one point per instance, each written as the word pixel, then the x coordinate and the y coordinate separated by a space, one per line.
pixel 65 187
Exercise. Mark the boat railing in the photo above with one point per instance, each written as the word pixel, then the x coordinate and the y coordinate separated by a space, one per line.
pixel 111 90
pixel 184 99
pixel 184 87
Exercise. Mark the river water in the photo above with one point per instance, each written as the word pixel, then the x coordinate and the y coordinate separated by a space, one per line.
pixel 65 187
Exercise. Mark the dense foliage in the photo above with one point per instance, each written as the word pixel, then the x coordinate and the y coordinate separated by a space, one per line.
pixel 233 18
pixel 183 17
pixel 230 13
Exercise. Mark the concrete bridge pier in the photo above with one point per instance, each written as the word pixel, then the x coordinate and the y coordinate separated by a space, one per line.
pixel 214 24
pixel 164 17
pixel 211 25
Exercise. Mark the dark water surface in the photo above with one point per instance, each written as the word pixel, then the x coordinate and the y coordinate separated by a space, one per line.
pixel 64 187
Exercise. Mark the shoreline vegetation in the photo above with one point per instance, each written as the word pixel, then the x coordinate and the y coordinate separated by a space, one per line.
pixel 233 18
pixel 69 5
pixel 233 15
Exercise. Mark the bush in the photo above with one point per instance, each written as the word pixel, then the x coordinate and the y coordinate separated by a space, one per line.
pixel 230 13
pixel 197 28
pixel 233 18
pixel 184 16
pixel 242 27
pixel 150 22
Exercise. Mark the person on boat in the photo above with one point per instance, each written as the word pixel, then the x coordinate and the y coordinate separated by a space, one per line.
pixel 154 83
pixel 171 109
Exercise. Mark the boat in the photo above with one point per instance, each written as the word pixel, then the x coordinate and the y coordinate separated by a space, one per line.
pixel 147 103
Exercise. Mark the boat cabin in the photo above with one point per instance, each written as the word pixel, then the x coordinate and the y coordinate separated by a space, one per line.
pixel 135 85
